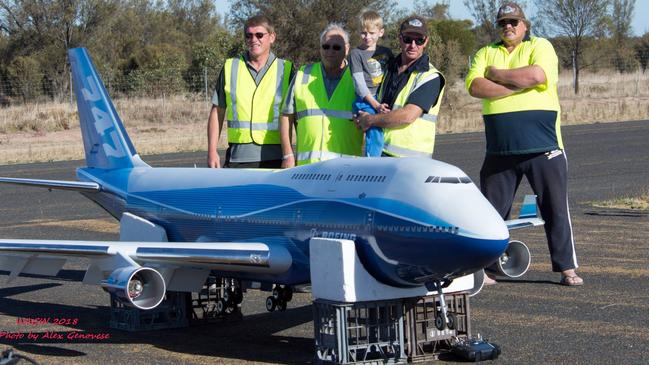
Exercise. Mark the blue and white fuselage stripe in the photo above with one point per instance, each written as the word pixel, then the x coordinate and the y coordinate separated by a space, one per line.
pixel 425 227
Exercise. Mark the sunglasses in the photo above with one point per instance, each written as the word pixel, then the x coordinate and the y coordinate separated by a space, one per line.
pixel 258 35
pixel 503 23
pixel 418 40
pixel 335 47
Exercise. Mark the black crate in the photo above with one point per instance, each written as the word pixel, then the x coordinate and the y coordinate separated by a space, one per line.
pixel 424 342
pixel 171 313
pixel 202 305
pixel 359 333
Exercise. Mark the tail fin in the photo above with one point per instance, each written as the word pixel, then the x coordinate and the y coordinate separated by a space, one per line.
pixel 106 143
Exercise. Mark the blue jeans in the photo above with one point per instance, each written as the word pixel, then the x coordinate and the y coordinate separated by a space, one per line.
pixel 374 135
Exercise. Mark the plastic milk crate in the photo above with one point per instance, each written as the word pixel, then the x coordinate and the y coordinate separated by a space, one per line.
pixel 359 333
pixel 202 306
pixel 171 313
pixel 424 341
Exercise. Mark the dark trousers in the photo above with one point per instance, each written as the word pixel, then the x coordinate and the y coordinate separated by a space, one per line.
pixel 547 174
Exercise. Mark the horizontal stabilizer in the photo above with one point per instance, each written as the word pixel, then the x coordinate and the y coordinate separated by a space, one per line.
pixel 523 223
pixel 89 187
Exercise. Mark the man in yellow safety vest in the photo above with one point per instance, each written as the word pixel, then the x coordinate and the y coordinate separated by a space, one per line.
pixel 249 93
pixel 413 89
pixel 320 102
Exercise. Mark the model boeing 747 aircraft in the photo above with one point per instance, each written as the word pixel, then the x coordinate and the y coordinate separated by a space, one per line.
pixel 414 221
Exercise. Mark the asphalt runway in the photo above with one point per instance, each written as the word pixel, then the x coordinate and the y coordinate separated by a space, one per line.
pixel 533 319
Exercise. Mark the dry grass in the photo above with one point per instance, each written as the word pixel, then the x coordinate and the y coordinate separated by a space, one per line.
pixel 50 131
pixel 634 203
pixel 603 97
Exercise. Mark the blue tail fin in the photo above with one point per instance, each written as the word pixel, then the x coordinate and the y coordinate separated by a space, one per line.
pixel 105 140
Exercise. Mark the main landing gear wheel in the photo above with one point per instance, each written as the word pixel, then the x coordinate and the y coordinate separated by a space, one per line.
pixel 271 304
pixel 221 306
pixel 237 295
pixel 281 306
pixel 280 298
pixel 233 296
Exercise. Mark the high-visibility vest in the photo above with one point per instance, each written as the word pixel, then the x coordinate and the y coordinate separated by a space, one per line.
pixel 325 129
pixel 253 110
pixel 418 137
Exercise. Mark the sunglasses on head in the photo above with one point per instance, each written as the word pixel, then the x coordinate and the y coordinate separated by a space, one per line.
pixel 503 23
pixel 335 47
pixel 258 35
pixel 418 40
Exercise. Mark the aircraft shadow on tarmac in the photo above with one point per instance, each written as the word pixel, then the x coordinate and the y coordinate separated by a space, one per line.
pixel 63 275
pixel 253 338
pixel 518 281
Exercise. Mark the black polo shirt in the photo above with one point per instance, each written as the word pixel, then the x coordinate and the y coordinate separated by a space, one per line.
pixel 424 97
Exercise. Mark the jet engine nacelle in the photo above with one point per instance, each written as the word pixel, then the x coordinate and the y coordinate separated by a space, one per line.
pixel 139 287
pixel 514 262
pixel 478 282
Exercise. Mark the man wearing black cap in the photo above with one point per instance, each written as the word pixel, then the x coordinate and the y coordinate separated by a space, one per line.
pixel 516 79
pixel 413 89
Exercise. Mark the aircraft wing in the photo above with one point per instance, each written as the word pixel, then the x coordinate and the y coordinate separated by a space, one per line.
pixel 183 265
pixel 90 187
pixel 528 215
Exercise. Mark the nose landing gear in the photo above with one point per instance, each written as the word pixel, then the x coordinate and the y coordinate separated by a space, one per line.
pixel 443 319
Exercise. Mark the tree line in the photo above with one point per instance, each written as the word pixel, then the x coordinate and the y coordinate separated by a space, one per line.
pixel 153 47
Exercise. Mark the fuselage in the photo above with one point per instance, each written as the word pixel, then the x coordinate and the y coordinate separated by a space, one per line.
pixel 413 220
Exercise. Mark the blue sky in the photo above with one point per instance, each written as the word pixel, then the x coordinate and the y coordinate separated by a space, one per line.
pixel 459 11
pixel 640 23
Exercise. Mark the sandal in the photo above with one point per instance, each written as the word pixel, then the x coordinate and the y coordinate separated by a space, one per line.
pixel 571 280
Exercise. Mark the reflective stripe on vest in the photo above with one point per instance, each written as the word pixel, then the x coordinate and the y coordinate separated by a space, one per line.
pixel 324 126
pixel 254 110
pixel 418 138
pixel 320 155
pixel 325 112
pixel 254 126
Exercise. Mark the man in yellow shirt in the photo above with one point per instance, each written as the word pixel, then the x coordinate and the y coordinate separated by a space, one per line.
pixel 517 80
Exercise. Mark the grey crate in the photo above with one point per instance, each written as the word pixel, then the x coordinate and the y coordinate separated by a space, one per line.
pixel 171 313
pixel 424 342
pixel 359 333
